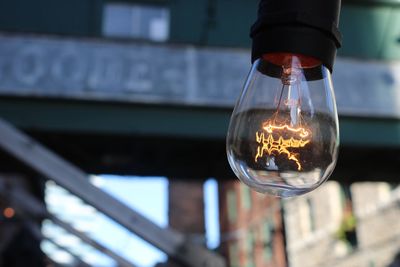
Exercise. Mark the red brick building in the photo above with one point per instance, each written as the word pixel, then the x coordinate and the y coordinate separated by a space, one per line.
pixel 252 232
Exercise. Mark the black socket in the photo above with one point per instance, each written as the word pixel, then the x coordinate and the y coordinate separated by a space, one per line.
pixel 308 27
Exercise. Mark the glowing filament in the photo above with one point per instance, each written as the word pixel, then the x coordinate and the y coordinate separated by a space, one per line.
pixel 269 145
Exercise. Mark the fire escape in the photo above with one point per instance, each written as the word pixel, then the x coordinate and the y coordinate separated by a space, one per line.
pixel 51 166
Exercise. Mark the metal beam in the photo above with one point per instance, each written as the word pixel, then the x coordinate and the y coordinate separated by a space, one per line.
pixel 100 71
pixel 115 121
pixel 28 203
pixel 122 262
pixel 74 180
pixel 35 230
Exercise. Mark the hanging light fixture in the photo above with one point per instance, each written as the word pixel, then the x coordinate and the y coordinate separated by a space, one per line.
pixel 283 135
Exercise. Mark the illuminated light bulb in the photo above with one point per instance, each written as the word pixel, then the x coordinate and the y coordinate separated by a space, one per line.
pixel 283 136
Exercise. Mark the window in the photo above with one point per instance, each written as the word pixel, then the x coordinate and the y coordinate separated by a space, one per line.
pixel 234 255
pixel 311 213
pixel 268 233
pixel 245 196
pixel 232 206
pixel 250 240
pixel 136 21
pixel 347 230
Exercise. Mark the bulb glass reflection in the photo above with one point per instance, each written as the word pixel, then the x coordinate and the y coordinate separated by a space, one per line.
pixel 283 136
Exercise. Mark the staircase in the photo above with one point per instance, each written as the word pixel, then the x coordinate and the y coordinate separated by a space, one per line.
pixel 53 167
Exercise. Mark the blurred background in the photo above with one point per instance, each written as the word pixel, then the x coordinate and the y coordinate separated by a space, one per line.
pixel 112 140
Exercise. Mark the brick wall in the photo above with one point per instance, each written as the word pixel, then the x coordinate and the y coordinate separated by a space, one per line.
pixel 251 227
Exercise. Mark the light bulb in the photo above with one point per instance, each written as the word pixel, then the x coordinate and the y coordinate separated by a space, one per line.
pixel 283 136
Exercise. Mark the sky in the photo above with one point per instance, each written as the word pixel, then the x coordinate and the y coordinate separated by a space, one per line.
pixel 148 196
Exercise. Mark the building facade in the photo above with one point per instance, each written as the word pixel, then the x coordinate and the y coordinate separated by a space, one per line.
pixel 252 232
pixel 344 226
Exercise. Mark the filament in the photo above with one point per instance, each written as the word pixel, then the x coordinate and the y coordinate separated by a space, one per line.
pixel 268 144
pixel 279 137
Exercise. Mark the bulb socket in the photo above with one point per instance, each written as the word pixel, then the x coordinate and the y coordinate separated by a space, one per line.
pixel 306 27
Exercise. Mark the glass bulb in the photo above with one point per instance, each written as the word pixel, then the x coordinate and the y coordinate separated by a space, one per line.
pixel 283 135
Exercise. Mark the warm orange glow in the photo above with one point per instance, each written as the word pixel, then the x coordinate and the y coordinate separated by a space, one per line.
pixel 301 131
pixel 299 137
pixel 8 213
pixel 291 59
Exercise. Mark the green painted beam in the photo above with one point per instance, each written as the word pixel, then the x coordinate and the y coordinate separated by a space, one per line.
pixel 372 2
pixel 166 121
pixel 370 132
pixel 115 118
pixel 233 22
pixel 370 31
pixel 371 28
pixel 72 17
